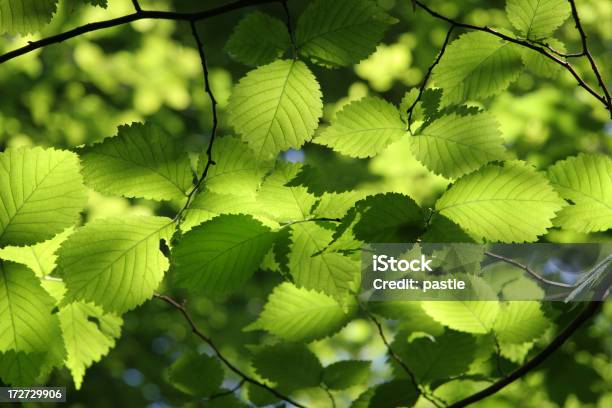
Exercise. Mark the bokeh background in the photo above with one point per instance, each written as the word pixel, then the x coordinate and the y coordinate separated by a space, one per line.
pixel 79 91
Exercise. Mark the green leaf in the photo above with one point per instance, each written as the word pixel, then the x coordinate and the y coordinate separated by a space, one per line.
pixel 141 161
pixel 537 19
pixel 476 65
pixel 115 262
pixel 40 258
pixel 475 316
pixel 258 39
pixel 363 128
pixel 236 170
pixel 345 374
pixel 276 107
pixel 393 394
pixel 220 255
pixel 441 229
pixel 207 205
pixel 22 369
pixel 42 193
pixel 25 16
pixel 281 202
pixel 336 205
pixel 332 273
pixel 289 365
pixel 586 182
pixel 339 33
pixel 508 203
pixel 390 217
pixel 195 374
pixel 439 358
pixel 27 322
pixel 454 145
pixel 88 334
pixel 520 322
pixel 298 314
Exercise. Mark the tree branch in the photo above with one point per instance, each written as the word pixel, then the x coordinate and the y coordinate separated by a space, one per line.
pixel 603 99
pixel 397 358
pixel 591 309
pixel 427 75
pixel 136 6
pixel 587 53
pixel 290 29
pixel 138 15
pixel 227 392
pixel 194 328
pixel 528 270
pixel 213 132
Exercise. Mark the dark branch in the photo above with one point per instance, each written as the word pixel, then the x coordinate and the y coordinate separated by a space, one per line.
pixel 227 392
pixel 524 43
pixel 528 270
pixel 397 358
pixel 136 6
pixel 290 29
pixel 330 395
pixel 427 75
pixel 139 15
pixel 213 132
pixel 590 310
pixel 194 328
pixel 587 53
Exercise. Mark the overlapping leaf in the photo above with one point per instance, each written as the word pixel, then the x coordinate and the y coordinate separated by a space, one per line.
pixel 508 203
pixel 220 255
pixel 346 373
pixel 282 202
pixel 42 193
pixel 88 334
pixel 453 145
pixel 364 128
pixel 276 107
pixel 586 181
pixel 339 33
pixel 520 322
pixel 332 273
pixel 141 161
pixel 258 39
pixel 476 65
pixel 298 314
pixel 115 263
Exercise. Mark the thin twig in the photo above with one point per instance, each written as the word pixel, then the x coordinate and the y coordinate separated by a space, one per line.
pixel 554 51
pixel 590 310
pixel 397 358
pixel 539 49
pixel 427 75
pixel 194 328
pixel 290 29
pixel 142 15
pixel 528 270
pixel 227 392
pixel 213 132
pixel 587 53
pixel 136 6
pixel 330 395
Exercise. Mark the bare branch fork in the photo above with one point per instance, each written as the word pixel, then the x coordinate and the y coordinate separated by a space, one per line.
pixel 604 99
pixel 196 330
